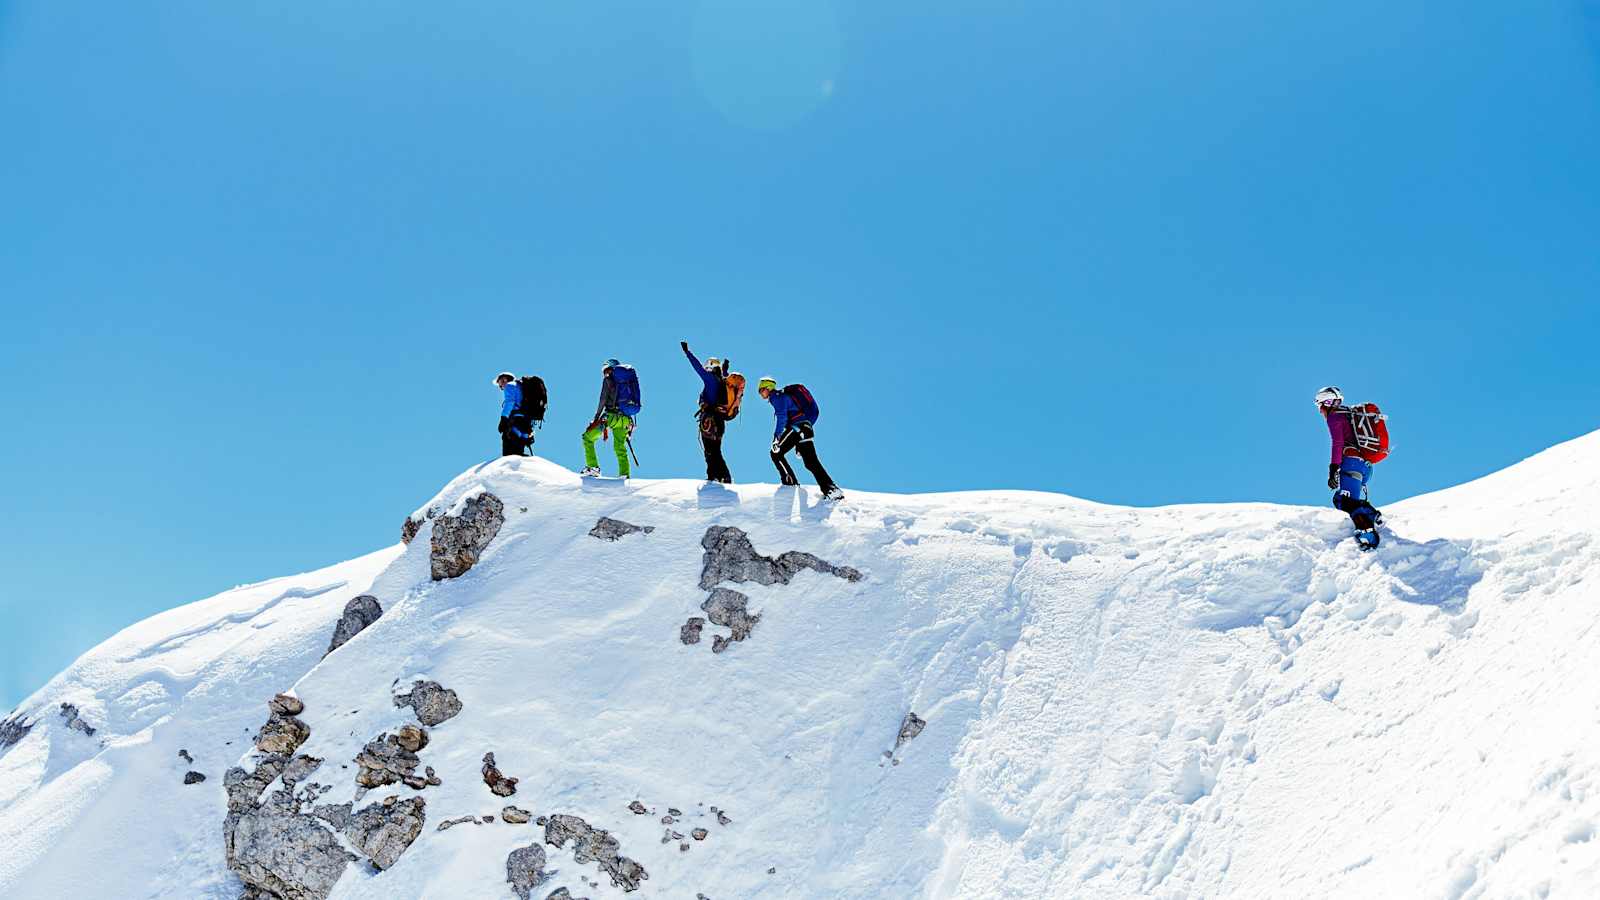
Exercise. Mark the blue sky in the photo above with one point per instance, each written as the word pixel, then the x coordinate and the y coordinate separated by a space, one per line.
pixel 259 261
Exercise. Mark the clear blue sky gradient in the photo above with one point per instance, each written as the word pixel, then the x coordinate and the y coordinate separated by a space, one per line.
pixel 259 261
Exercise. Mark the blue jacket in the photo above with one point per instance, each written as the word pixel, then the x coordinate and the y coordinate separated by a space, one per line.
pixel 509 405
pixel 784 410
pixel 513 394
pixel 713 393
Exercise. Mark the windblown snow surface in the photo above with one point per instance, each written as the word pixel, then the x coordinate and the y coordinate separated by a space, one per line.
pixel 1189 701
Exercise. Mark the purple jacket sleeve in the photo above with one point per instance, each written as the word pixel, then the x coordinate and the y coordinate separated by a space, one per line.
pixel 1339 431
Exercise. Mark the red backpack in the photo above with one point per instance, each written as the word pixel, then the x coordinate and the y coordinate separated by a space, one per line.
pixel 1371 430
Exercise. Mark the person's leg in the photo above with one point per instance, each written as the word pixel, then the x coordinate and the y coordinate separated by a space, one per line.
pixel 779 447
pixel 510 444
pixel 721 472
pixel 621 428
pixel 707 447
pixel 1354 472
pixel 807 448
pixel 590 460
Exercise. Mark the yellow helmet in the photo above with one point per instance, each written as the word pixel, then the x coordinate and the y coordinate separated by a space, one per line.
pixel 767 383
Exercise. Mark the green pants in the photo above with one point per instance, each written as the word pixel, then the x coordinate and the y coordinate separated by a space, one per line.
pixel 621 426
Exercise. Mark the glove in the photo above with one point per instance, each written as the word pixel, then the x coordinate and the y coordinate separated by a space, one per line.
pixel 504 424
pixel 777 445
pixel 1333 476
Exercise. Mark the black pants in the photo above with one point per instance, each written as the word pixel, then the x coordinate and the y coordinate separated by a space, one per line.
pixel 510 444
pixel 711 430
pixel 801 439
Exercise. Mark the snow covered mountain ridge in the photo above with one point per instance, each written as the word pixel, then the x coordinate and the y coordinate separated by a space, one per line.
pixel 556 690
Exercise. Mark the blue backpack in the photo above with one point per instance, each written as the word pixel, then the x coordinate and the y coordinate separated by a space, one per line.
pixel 627 382
pixel 805 406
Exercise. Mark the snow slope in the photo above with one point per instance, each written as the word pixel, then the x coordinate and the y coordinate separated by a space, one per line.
pixel 1194 701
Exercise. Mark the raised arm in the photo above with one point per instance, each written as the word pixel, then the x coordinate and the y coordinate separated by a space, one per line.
pixel 693 361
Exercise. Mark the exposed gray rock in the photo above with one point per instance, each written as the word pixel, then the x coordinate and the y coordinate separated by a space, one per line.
pixel 282 735
pixel 275 849
pixel 699 834
pixel 184 755
pixel 459 540
pixel 69 714
pixel 358 614
pixel 243 787
pixel 432 702
pixel 409 529
pixel 609 529
pixel 285 705
pixel 730 556
pixel 13 730
pixel 722 816
pixel 335 814
pixel 392 758
pixel 193 777
pixel 910 727
pixel 499 784
pixel 298 768
pixel 637 808
pixel 383 831
pixel 515 816
pixel 562 893
pixel 447 824
pixel 525 870
pixel 690 632
pixel 594 845
pixel 729 609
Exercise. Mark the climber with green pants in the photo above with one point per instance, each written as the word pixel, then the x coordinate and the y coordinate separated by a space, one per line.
pixel 619 403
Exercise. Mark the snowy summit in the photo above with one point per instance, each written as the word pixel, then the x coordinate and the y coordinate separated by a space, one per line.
pixel 560 689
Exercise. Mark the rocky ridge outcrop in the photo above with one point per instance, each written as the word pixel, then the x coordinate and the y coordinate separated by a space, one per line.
pixel 432 702
pixel 590 844
pixel 731 557
pixel 75 722
pixel 609 529
pixel 359 613
pixel 13 730
pixel 282 845
pixel 459 540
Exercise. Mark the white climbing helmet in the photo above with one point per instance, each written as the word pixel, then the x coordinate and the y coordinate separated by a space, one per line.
pixel 504 378
pixel 1330 395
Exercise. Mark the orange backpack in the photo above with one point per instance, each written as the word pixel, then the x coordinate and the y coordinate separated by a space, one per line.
pixel 734 383
pixel 1371 430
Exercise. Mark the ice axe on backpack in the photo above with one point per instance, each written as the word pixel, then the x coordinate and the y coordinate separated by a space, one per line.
pixel 630 450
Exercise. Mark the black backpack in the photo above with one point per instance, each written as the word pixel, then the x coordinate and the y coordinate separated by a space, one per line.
pixel 534 398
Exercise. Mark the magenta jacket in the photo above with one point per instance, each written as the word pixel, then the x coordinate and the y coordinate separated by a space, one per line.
pixel 1343 435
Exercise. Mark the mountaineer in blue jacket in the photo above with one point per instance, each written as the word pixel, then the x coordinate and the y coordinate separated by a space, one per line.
pixel 516 426
pixel 796 413
pixel 713 413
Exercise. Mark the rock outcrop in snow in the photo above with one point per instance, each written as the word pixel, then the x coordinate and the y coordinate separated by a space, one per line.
pixel 13 730
pixel 460 537
pixel 590 844
pixel 730 610
pixel 525 870
pixel 730 556
pixel 609 529
pixel 358 614
pixel 432 702
pixel 75 722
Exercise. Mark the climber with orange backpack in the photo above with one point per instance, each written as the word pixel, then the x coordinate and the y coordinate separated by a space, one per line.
pixel 721 393
pixel 1360 440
